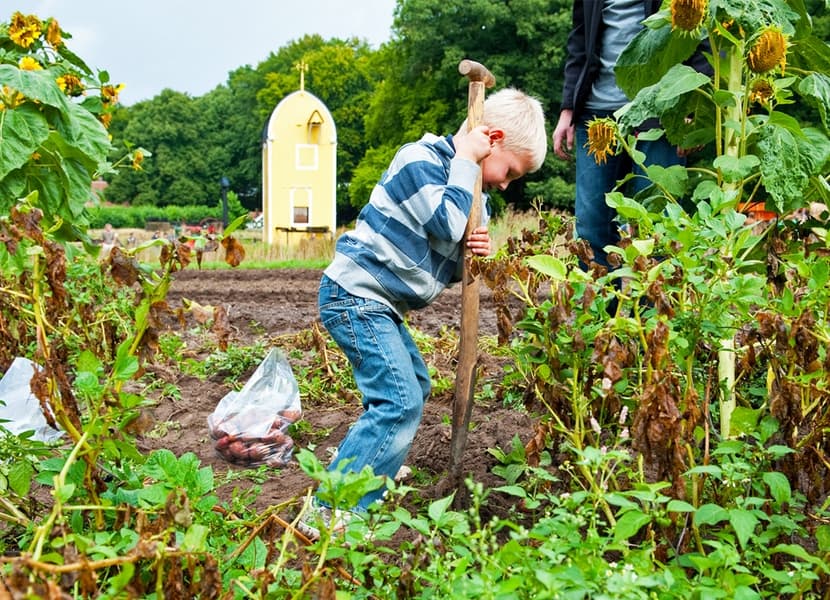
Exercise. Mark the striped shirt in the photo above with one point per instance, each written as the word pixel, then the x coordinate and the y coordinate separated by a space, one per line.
pixel 405 247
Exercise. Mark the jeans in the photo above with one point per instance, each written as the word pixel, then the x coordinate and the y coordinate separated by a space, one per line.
pixel 390 374
pixel 595 220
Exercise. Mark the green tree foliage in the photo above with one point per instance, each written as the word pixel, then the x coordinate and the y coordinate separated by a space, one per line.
pixel 379 99
pixel 522 42
pixel 177 172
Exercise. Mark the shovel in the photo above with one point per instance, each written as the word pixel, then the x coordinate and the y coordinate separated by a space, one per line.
pixel 479 79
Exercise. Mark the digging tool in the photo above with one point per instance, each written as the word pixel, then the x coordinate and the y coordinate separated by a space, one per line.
pixel 479 79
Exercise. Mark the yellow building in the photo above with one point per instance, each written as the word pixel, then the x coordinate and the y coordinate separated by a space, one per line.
pixel 299 170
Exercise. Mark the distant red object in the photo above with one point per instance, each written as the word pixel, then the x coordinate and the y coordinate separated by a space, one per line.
pixel 756 211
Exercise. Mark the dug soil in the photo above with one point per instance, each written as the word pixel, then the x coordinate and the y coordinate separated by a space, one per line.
pixel 276 307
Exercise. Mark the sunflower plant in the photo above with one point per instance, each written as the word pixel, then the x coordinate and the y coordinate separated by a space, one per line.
pixel 727 319
pixel 765 62
pixel 54 114
pixel 752 114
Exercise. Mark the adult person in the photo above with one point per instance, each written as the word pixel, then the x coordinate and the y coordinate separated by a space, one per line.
pixel 403 252
pixel 109 239
pixel 601 30
pixel 108 235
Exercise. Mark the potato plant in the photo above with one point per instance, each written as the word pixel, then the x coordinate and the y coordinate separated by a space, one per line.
pixel 683 447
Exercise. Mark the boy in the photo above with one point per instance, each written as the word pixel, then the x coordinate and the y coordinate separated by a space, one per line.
pixel 404 250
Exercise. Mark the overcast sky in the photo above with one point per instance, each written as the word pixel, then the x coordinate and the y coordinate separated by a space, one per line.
pixel 191 45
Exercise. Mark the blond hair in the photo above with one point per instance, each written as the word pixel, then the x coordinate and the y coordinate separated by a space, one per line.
pixel 522 119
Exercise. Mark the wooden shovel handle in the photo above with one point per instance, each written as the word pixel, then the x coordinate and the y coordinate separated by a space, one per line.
pixel 480 78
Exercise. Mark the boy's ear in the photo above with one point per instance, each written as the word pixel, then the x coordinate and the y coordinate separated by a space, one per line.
pixel 496 135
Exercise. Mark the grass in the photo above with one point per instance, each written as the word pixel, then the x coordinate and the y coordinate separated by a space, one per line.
pixel 317 253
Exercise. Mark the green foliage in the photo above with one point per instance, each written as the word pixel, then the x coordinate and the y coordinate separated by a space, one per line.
pixel 743 113
pixel 184 168
pixel 234 361
pixel 627 488
pixel 368 173
pixel 137 217
pixel 51 110
pixel 379 99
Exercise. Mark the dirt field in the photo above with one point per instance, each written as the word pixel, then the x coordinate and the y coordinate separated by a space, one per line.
pixel 268 305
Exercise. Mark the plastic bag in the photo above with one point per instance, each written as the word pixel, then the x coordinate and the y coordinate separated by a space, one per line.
pixel 250 426
pixel 19 409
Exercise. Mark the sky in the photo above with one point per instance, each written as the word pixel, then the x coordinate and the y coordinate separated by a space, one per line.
pixel 191 45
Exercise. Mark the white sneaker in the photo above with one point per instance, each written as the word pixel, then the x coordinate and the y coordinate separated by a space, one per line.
pixel 403 474
pixel 317 518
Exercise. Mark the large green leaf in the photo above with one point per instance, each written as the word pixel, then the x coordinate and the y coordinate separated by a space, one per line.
pixel 691 123
pixel 744 523
pixel 549 266
pixel 74 169
pixel 673 179
pixel 710 514
pixel 815 148
pixel 784 170
pixel 779 486
pixel 35 85
pixel 12 187
pixel 811 54
pixel 661 98
pixel 22 130
pixel 649 56
pixel 629 524
pixel 86 133
pixel 755 15
pixel 815 89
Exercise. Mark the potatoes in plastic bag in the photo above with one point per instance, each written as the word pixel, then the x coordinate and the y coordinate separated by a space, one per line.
pixel 250 427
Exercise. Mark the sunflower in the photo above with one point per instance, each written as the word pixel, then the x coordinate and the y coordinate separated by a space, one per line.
pixel 53 33
pixel 768 51
pixel 24 30
pixel 602 137
pixel 70 84
pixel 109 93
pixel 138 157
pixel 688 15
pixel 27 63
pixel 10 98
pixel 761 91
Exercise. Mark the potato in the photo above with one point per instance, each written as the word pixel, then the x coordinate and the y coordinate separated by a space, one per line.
pixel 238 450
pixel 291 415
pixel 224 453
pixel 275 438
pixel 279 424
pixel 217 433
pixel 257 452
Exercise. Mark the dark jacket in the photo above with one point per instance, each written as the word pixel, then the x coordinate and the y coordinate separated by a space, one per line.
pixel 583 62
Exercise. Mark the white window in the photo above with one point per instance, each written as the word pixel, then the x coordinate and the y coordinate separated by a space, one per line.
pixel 300 206
pixel 306 157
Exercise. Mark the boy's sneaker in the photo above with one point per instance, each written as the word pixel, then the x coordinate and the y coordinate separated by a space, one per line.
pixel 317 518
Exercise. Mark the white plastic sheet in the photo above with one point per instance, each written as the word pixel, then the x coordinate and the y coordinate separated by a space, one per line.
pixel 19 409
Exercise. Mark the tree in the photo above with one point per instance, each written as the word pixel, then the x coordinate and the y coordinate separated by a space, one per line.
pixel 177 172
pixel 522 42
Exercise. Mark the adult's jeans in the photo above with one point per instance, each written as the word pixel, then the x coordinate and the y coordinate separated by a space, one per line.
pixel 596 222
pixel 390 374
